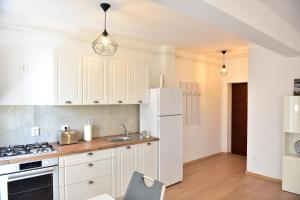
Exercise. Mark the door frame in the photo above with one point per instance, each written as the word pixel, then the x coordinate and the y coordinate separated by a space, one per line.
pixel 227 115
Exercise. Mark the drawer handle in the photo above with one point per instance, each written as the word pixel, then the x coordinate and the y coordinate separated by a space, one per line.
pixel 90 165
pixel 140 101
pixel 90 154
pixel 96 101
pixel 148 143
pixel 128 147
pixel 68 102
pixel 120 101
pixel 91 182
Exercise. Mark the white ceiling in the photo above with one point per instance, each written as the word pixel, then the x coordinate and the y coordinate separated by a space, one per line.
pixel 138 19
pixel 288 10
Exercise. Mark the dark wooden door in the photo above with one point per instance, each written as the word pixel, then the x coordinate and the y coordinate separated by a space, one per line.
pixel 239 119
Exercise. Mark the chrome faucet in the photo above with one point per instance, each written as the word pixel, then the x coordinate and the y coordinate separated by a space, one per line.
pixel 125 129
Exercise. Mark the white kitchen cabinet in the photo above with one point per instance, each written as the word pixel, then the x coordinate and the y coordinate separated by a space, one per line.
pixel 68 79
pixel 119 82
pixel 95 80
pixel 127 163
pixel 89 189
pixel 148 159
pixel 85 175
pixel 140 84
pixel 109 171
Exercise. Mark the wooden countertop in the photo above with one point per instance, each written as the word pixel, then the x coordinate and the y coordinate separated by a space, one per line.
pixel 81 147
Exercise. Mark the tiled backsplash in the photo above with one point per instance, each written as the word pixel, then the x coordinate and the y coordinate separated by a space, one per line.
pixel 16 121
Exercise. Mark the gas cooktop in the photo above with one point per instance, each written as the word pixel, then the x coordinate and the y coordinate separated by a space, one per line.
pixel 17 150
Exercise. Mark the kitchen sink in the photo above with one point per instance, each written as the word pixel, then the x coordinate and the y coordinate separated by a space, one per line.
pixel 119 139
pixel 125 138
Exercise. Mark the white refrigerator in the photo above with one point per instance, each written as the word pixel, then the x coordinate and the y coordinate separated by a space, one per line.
pixel 162 117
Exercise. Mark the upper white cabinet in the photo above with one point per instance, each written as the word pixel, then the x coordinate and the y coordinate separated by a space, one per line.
pixel 140 84
pixel 119 82
pixel 69 79
pixel 95 80
pixel 37 78
pixel 129 83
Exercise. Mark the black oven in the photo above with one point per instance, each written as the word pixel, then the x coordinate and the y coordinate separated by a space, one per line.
pixel 38 187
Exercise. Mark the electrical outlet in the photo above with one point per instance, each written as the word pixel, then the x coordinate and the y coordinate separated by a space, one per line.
pixel 35 131
pixel 64 127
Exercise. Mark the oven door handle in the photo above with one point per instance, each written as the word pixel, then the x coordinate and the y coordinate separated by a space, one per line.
pixel 30 174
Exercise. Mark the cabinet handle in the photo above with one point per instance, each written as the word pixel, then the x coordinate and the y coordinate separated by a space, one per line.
pixel 96 101
pixel 90 154
pixel 128 147
pixel 140 101
pixel 68 102
pixel 148 143
pixel 90 165
pixel 120 101
pixel 91 182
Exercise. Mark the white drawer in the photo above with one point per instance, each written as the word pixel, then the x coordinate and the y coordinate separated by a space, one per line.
pixel 86 171
pixel 87 189
pixel 88 157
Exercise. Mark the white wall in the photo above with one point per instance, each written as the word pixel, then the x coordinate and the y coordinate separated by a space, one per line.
pixel 271 77
pixel 237 73
pixel 203 139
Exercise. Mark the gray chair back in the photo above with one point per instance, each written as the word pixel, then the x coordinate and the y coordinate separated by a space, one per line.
pixel 138 190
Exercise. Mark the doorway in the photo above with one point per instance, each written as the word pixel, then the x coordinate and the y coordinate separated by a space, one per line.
pixel 239 118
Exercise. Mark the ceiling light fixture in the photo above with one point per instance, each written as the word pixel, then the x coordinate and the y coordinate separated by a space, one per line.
pixel 224 69
pixel 105 45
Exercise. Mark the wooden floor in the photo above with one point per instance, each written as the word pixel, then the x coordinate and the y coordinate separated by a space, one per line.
pixel 223 177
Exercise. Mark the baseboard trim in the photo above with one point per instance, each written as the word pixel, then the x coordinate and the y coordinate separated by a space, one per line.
pixel 204 158
pixel 263 177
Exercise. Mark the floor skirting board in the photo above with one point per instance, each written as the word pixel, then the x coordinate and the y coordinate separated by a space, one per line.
pixel 204 158
pixel 263 177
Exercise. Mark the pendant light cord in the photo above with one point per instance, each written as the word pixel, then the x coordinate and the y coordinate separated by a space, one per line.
pixel 105 20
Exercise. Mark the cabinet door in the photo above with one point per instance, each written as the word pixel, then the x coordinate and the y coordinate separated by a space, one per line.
pixel 127 163
pixel 69 79
pixel 148 159
pixel 119 80
pixel 140 84
pixel 95 81
pixel 89 188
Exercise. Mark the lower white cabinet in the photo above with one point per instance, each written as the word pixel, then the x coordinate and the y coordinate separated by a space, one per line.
pixel 90 188
pixel 109 171
pixel 148 159
pixel 127 163
pixel 88 174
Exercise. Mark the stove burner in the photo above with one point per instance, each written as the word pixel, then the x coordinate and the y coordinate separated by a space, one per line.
pixel 36 148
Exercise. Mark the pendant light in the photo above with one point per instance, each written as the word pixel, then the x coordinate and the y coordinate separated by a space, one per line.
pixel 105 45
pixel 224 69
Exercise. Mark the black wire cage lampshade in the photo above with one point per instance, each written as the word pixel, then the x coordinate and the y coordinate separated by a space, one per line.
pixel 224 69
pixel 105 45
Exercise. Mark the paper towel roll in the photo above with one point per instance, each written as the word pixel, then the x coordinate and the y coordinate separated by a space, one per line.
pixel 88 132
